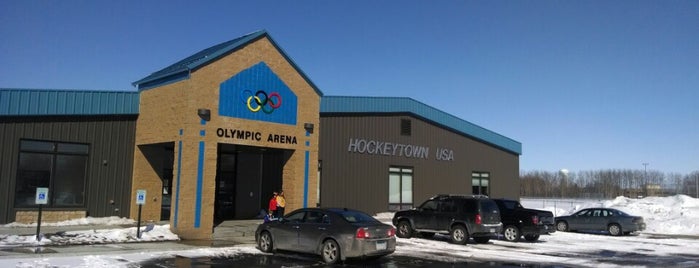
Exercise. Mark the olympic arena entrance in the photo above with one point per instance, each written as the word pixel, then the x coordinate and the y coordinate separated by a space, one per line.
pixel 246 176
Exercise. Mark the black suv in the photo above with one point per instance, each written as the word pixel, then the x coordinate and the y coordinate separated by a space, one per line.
pixel 457 215
pixel 519 221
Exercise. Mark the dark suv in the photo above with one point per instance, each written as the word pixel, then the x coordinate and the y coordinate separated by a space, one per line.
pixel 457 215
pixel 519 221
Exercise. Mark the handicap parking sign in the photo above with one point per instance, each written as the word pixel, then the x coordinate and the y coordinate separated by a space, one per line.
pixel 140 197
pixel 42 196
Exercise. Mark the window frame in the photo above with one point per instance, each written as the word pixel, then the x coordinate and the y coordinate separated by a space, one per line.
pixel 59 151
pixel 402 172
pixel 481 176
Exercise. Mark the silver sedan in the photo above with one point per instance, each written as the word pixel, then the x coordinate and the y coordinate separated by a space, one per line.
pixel 614 221
pixel 333 233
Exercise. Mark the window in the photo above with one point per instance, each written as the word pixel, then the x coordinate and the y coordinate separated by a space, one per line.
pixel 314 217
pixel 353 216
pixel 296 217
pixel 430 205
pixel 509 204
pixel 59 166
pixel 400 188
pixel 471 205
pixel 447 206
pixel 584 213
pixel 480 182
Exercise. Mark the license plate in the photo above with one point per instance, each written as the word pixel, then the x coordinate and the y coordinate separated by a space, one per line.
pixel 492 230
pixel 381 245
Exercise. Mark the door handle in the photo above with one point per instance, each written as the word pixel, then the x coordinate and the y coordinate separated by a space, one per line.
pixel 322 228
pixel 296 227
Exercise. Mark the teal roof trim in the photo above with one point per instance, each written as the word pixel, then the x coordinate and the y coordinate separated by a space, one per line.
pixel 24 102
pixel 390 105
pixel 181 69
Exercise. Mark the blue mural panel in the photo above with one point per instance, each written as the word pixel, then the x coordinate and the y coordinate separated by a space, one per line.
pixel 257 93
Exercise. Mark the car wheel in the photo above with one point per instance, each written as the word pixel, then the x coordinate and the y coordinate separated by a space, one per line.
pixel 481 240
pixel 265 242
pixel 614 229
pixel 427 235
pixel 511 233
pixel 562 226
pixel 459 235
pixel 330 251
pixel 404 229
pixel 531 238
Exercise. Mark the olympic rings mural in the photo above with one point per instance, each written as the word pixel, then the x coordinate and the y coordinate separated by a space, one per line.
pixel 261 101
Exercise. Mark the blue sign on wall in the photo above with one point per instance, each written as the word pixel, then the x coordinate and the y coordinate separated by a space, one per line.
pixel 257 93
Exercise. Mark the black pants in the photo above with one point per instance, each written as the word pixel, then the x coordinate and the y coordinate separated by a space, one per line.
pixel 279 212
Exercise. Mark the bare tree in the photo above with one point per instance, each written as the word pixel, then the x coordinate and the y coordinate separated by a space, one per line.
pixel 607 183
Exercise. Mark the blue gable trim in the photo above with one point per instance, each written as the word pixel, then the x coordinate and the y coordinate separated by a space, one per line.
pixel 356 105
pixel 18 102
pixel 181 69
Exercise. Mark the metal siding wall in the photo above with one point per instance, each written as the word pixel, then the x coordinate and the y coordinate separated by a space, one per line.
pixel 8 155
pixel 339 104
pixel 110 138
pixel 361 180
pixel 349 179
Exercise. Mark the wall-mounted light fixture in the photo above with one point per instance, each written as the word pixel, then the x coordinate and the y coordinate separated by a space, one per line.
pixel 308 127
pixel 204 114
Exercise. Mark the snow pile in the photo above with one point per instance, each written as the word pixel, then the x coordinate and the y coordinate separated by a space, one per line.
pixel 105 236
pixel 664 215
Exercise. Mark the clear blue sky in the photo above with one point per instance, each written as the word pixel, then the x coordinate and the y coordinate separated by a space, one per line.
pixel 583 85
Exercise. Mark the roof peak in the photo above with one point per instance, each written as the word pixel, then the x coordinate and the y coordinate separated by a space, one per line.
pixel 173 72
pixel 181 70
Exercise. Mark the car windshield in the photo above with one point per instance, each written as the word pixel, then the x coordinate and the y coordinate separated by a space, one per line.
pixel 356 216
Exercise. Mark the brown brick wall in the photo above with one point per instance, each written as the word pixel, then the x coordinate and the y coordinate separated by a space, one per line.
pixel 48 216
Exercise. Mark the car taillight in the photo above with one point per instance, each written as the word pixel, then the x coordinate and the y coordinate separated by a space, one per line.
pixel 391 232
pixel 479 220
pixel 363 232
pixel 535 220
